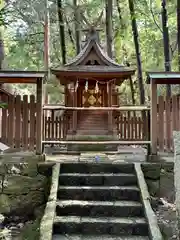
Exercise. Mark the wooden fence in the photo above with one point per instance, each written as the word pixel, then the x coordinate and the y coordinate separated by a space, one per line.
pixel 18 123
pixel 131 126
pixel 168 120
pixel 55 128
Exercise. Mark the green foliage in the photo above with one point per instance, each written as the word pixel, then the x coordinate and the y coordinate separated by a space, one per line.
pixel 3 105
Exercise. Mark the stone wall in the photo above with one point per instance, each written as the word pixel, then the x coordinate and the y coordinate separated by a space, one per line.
pixel 160 180
pixel 24 189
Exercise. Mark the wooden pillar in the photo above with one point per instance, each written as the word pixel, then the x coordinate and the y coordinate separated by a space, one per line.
pixel 110 123
pixel 153 118
pixel 39 116
pixel 74 111
pixel 66 92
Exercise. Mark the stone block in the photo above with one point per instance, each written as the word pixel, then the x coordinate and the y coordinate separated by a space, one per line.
pixel 3 169
pixel 167 186
pixel 18 205
pixel 152 171
pixel 5 204
pixel 153 187
pixel 17 184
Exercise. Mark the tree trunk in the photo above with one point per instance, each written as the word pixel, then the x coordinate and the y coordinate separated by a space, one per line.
pixel 138 54
pixel 167 63
pixel 77 26
pixel 109 27
pixel 61 31
pixel 46 50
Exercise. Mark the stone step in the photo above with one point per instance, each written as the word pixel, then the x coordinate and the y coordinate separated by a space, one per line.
pixel 99 193
pixel 97 168
pixel 112 226
pixel 97 179
pixel 102 237
pixel 99 209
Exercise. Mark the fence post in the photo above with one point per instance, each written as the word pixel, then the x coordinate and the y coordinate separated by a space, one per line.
pixel 39 117
pixel 149 133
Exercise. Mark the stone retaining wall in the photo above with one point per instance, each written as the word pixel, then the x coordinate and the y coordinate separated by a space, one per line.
pixel 160 179
pixel 24 188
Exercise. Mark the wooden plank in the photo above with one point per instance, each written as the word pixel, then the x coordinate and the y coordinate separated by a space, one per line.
pixel 39 117
pixel 11 122
pixel 139 128
pixel 124 127
pixel 56 128
pixel 98 143
pixel 52 125
pixel 168 123
pixel 46 128
pixel 174 113
pixel 135 128
pixel 60 127
pixel 4 122
pixel 128 125
pixel 49 128
pixel 125 108
pixel 154 118
pixel 110 123
pixel 25 119
pixel 161 123
pixel 18 129
pixel 121 126
pixel 132 128
pixel 32 122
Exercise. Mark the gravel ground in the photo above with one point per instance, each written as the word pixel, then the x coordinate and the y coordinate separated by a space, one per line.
pixel 167 220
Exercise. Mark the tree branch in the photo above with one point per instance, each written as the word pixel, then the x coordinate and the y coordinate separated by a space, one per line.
pixel 152 13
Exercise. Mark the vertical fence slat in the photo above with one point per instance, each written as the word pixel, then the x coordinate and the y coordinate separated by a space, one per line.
pixel 25 122
pixel 161 123
pixel 18 122
pixel 46 128
pixel 32 128
pixel 139 127
pixel 128 125
pixel 135 127
pixel 168 123
pixel 52 125
pixel 4 122
pixel 11 122
pixel 56 128
pixel 174 113
pixel 49 128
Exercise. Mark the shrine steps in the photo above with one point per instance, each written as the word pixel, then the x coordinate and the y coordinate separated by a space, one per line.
pixel 99 201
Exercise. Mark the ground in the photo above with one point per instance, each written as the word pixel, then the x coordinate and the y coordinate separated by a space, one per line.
pixel 167 221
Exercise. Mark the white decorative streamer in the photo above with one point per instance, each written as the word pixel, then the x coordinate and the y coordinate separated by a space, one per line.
pixel 86 86
pixel 96 87
pixel 77 84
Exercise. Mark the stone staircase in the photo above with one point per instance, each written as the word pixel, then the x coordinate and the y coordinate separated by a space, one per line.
pixel 99 202
pixel 92 123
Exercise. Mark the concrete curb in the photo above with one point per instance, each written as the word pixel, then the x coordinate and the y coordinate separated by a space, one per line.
pixel 46 225
pixel 154 231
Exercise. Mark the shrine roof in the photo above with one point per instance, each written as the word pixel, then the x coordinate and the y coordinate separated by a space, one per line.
pixel 89 46
pixel 102 67
pixel 163 77
pixel 95 72
pixel 10 76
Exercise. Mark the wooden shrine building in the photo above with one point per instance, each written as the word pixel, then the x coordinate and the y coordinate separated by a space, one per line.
pixel 90 81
